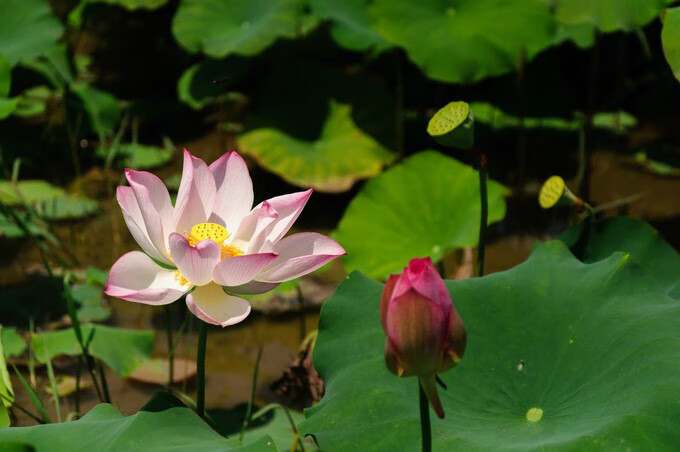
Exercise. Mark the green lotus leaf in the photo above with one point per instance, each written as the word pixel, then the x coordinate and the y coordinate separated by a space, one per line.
pixel 340 156
pixel 133 4
pixel 635 237
pixel 670 38
pixel 29 191
pixel 154 429
pixel 608 15
pixel 66 207
pixel 9 229
pixel 596 347
pixel 427 205
pixel 245 27
pixel 351 26
pixel 27 29
pixel 7 106
pixel 206 82
pixel 33 101
pixel 89 299
pixel 123 350
pixel 583 35
pixel 5 76
pixel 13 344
pixel 466 40
pixel 138 156
pixel 6 391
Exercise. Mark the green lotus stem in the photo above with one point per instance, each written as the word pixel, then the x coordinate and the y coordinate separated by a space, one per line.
pixel 200 371
pixel 79 366
pixel 22 409
pixel 53 382
pixel 484 202
pixel 105 385
pixel 171 345
pixel 425 427
pixel 251 398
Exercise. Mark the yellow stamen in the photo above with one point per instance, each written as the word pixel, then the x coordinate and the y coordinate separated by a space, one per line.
pixel 217 234
pixel 181 279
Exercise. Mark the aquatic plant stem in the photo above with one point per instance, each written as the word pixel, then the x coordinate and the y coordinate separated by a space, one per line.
pixel 251 397
pixel 484 203
pixel 425 427
pixel 200 371
pixel 79 368
pixel 171 345
pixel 105 385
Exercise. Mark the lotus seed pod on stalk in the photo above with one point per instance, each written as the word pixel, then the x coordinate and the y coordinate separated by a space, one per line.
pixel 425 334
pixel 453 125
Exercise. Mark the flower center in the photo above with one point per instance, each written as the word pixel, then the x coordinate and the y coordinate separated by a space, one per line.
pixel 217 234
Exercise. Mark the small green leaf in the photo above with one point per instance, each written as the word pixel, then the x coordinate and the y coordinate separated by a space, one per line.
pixel 6 391
pixel 13 344
pixel 66 207
pixel 342 154
pixel 123 350
pixel 139 156
pixel 29 191
pixel 244 27
pixel 670 38
pixel 427 205
pixel 608 15
pixel 133 4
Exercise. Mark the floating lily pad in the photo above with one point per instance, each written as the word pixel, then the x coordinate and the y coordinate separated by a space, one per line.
pixel 245 27
pixel 341 155
pixel 156 371
pixel 139 156
pixel 608 15
pixel 466 40
pixel 13 344
pixel 27 29
pixel 670 38
pixel 594 347
pixel 351 26
pixel 154 429
pixel 428 205
pixel 121 349
pixel 66 207
pixel 636 237
pixel 30 191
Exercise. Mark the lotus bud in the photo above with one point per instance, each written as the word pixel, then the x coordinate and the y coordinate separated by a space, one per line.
pixel 425 334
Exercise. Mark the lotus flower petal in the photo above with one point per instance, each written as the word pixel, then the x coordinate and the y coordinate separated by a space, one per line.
pixel 212 305
pixel 240 270
pixel 253 229
pixel 136 277
pixel 195 263
pixel 196 194
pixel 135 222
pixel 253 288
pixel 234 190
pixel 288 207
pixel 300 254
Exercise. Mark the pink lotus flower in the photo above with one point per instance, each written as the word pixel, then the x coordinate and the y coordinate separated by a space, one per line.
pixel 425 334
pixel 211 239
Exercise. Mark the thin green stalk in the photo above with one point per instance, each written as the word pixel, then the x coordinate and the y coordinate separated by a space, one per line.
pixel 53 381
pixel 31 355
pixel 200 371
pixel 79 368
pixel 484 202
pixel 21 408
pixel 171 345
pixel 425 427
pixel 251 398
pixel 105 385
pixel 34 397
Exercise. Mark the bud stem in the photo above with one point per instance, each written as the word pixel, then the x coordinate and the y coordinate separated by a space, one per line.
pixel 425 427
pixel 484 214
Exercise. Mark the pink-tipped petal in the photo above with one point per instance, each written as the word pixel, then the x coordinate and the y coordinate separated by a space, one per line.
pixel 421 276
pixel 196 194
pixel 212 305
pixel 234 190
pixel 135 277
pixel 300 254
pixel 253 229
pixel 253 288
pixel 195 263
pixel 386 297
pixel 240 270
pixel 289 208
pixel 135 222
pixel 150 199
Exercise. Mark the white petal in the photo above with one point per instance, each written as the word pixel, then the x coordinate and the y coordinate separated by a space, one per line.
pixel 234 197
pixel 236 271
pixel 196 194
pixel 212 305
pixel 195 263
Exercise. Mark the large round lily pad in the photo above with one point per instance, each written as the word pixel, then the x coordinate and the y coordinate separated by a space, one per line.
pixel 159 426
pixel 245 27
pixel 27 29
pixel 594 346
pixel 464 40
pixel 340 156
pixel 351 26
pixel 608 15
pixel 670 38
pixel 428 205
pixel 635 237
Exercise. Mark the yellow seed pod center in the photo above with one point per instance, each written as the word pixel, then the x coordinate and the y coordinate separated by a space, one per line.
pixel 212 231
pixel 551 192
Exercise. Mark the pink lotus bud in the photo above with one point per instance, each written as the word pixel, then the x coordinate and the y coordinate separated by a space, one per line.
pixel 425 334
